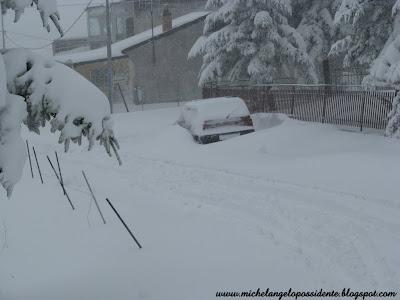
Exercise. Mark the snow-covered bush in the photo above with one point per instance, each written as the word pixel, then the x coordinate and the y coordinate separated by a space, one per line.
pixel 34 90
pixel 252 40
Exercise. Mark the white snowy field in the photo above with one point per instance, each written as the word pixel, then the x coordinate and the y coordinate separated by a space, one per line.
pixel 298 205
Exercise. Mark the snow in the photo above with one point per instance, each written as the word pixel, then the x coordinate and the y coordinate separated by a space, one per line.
pixel 195 113
pixel 294 204
pixel 119 47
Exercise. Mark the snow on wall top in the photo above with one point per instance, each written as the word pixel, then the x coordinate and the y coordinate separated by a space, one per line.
pixel 119 47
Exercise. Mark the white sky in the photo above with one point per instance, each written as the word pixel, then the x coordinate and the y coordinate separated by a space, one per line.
pixel 30 24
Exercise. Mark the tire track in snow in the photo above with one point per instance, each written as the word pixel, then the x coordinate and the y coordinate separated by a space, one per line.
pixel 360 264
pixel 325 227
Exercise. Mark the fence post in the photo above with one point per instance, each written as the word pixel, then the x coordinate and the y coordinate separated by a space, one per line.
pixel 324 107
pixel 328 82
pixel 362 115
pixel 292 103
pixel 326 71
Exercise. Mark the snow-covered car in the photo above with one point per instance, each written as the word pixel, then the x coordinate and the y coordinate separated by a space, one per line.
pixel 216 119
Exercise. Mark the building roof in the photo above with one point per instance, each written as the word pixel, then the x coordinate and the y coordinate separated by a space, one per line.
pixel 136 40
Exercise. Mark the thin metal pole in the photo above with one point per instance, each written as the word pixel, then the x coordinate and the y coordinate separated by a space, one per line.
pixel 109 56
pixel 37 163
pixel 62 186
pixel 94 198
pixel 59 171
pixel 29 155
pixel 123 222
pixel 152 33
pixel 3 33
pixel 122 95
pixel 116 152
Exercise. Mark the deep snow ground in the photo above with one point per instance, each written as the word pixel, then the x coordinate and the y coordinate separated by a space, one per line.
pixel 296 205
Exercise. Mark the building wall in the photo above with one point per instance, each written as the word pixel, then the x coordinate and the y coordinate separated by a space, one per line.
pixel 96 72
pixel 173 77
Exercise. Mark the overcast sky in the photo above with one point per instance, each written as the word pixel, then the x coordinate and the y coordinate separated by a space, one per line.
pixel 29 33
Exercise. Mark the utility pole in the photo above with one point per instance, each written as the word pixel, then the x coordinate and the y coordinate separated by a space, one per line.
pixel 110 78
pixel 152 33
pixel 3 34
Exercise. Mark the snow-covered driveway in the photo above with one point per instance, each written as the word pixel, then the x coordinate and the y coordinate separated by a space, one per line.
pixel 297 205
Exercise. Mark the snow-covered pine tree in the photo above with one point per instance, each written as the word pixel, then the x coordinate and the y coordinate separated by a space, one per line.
pixel 366 26
pixel 252 40
pixel 385 71
pixel 34 90
pixel 314 21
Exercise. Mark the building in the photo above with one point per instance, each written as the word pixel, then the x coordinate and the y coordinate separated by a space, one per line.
pixel 161 71
pixel 149 67
pixel 130 17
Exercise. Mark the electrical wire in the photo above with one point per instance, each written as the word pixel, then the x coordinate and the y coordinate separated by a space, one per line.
pixel 12 41
pixel 27 35
pixel 65 32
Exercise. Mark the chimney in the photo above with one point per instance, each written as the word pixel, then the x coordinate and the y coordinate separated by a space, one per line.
pixel 166 19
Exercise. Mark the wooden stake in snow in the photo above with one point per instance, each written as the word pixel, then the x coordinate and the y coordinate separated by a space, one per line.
pixel 37 163
pixel 94 198
pixel 123 222
pixel 62 186
pixel 59 170
pixel 29 155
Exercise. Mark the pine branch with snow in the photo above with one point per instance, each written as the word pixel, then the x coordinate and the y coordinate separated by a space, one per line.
pixel 46 88
pixel 252 40
pixel 35 90
pixel 47 10
pixel 365 27
pixel 393 127
pixel 316 25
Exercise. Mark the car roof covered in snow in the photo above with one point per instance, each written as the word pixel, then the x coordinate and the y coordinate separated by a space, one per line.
pixel 135 40
pixel 218 108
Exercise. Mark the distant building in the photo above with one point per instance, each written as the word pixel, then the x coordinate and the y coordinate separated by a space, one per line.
pixel 130 17
pixel 144 77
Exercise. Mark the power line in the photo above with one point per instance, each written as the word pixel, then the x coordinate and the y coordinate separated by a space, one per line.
pixel 28 35
pixel 74 4
pixel 65 32
pixel 12 41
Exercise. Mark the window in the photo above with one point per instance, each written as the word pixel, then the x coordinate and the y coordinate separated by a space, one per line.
pixel 94 27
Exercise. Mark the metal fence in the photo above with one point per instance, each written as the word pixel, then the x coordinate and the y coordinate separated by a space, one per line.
pixel 340 105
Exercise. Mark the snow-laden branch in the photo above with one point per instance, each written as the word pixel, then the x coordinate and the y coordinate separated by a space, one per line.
pixel 47 10
pixel 54 92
